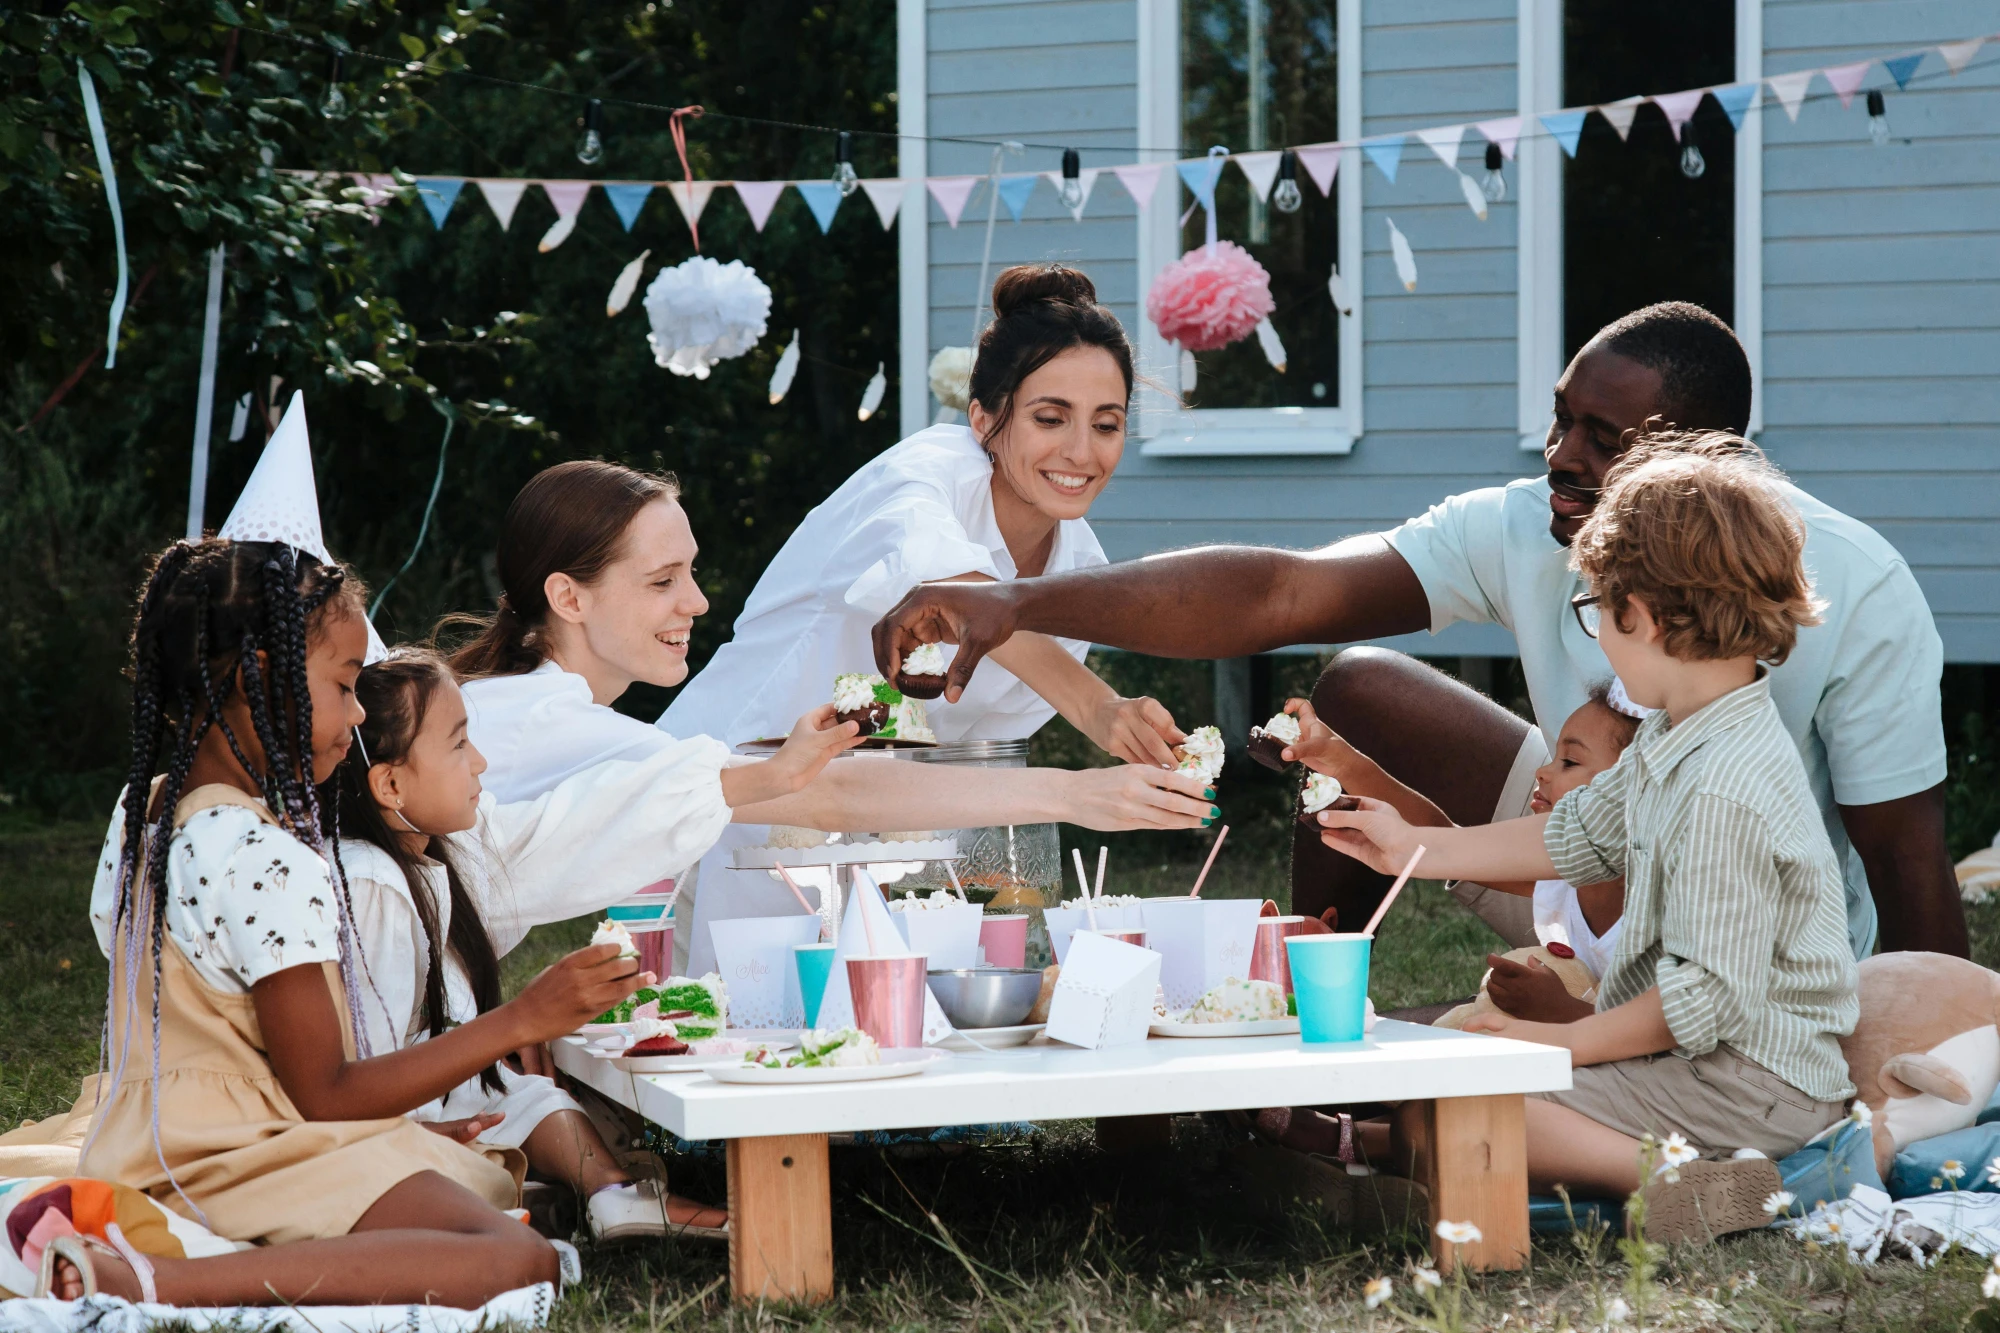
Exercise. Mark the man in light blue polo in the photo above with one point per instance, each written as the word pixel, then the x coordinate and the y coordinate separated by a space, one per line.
pixel 1860 694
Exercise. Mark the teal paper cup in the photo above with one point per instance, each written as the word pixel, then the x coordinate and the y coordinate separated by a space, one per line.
pixel 815 963
pixel 1330 979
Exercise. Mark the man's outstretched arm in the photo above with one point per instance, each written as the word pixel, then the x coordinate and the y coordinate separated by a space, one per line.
pixel 1212 601
pixel 1901 844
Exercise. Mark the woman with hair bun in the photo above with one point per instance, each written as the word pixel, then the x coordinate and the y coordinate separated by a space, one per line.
pixel 1003 498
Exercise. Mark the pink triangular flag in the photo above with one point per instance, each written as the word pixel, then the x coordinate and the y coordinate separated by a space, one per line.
pixel 1505 132
pixel 1086 180
pixel 503 197
pixel 1141 181
pixel 567 196
pixel 697 191
pixel 759 198
pixel 887 196
pixel 1444 141
pixel 1620 114
pixel 1959 54
pixel 951 192
pixel 1846 79
pixel 378 188
pixel 1790 90
pixel 1679 107
pixel 1321 161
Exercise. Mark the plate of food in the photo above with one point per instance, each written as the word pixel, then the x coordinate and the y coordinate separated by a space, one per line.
pixel 837 1055
pixel 1232 1009
pixel 670 1055
pixel 993 1039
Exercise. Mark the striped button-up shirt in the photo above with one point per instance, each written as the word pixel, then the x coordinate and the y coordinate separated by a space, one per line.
pixel 1734 905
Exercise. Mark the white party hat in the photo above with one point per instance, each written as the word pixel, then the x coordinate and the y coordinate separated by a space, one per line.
pixel 377 650
pixel 280 502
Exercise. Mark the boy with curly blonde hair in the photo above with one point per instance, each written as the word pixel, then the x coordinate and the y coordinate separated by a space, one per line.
pixel 1718 1023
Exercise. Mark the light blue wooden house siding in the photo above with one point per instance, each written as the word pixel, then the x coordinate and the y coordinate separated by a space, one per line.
pixel 1881 280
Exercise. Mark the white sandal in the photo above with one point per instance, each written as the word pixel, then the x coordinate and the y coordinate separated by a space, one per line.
pixel 78 1250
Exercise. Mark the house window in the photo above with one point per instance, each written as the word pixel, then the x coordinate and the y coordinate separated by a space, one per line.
pixel 1257 75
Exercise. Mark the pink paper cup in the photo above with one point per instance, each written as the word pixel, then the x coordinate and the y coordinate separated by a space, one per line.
pixel 889 999
pixel 1268 960
pixel 1005 939
pixel 656 950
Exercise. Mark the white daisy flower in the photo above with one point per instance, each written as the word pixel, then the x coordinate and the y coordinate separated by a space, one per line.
pixel 1862 1115
pixel 1618 1311
pixel 1780 1202
pixel 1677 1151
pixel 1952 1168
pixel 1459 1233
pixel 1378 1291
pixel 1993 1172
pixel 1425 1277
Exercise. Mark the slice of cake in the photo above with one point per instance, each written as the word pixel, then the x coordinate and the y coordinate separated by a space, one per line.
pixel 879 708
pixel 1268 742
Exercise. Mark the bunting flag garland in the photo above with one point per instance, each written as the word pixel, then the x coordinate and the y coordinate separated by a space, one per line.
pixel 1200 175
pixel 1386 154
pixel 1790 90
pixel 1141 181
pixel 1321 162
pixel 823 198
pixel 1846 79
pixel 1014 192
pixel 1620 114
pixel 1505 132
pixel 692 197
pixel 503 197
pixel 1086 180
pixel 951 193
pixel 438 196
pixel 1902 67
pixel 1736 100
pixel 1444 141
pixel 628 197
pixel 887 196
pixel 568 197
pixel 1680 107
pixel 1957 55
pixel 1566 127
pixel 1260 169
pixel 759 198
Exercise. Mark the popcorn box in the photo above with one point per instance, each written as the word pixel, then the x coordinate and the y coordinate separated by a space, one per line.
pixel 1201 943
pixel 1066 921
pixel 1104 996
pixel 754 957
pixel 948 936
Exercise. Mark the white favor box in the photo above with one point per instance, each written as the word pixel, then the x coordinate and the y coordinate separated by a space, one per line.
pixel 753 954
pixel 1064 922
pixel 1201 943
pixel 1104 996
pixel 948 936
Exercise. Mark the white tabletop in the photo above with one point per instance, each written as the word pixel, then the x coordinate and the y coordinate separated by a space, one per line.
pixel 1050 1081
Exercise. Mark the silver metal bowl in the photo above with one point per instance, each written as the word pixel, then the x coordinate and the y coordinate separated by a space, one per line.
pixel 985 997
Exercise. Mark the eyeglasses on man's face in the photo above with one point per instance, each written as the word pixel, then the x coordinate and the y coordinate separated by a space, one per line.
pixel 1588 617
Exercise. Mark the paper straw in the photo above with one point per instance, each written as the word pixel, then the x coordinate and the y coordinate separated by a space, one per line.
pixel 1394 889
pixel 1102 854
pixel 868 926
pixel 793 885
pixel 956 886
pixel 1089 904
pixel 1195 892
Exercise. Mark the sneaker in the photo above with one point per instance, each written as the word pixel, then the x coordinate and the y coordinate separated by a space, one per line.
pixel 628 1212
pixel 1711 1199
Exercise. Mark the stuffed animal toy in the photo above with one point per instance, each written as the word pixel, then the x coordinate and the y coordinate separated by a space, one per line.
pixel 1925 1057
pixel 1558 958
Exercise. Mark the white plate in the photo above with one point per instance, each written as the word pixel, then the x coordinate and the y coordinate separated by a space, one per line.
pixel 994 1039
pixel 593 1031
pixel 895 1064
pixel 1258 1027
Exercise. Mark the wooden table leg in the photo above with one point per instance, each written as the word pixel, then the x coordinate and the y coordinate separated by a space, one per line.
pixel 1474 1161
pixel 1134 1133
pixel 780 1219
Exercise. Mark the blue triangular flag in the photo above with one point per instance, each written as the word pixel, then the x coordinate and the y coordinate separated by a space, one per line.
pixel 822 197
pixel 1567 126
pixel 438 197
pixel 1735 99
pixel 1902 67
pixel 1200 176
pixel 1386 154
pixel 627 200
pixel 1014 192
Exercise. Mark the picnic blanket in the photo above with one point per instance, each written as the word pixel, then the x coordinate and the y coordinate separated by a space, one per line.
pixel 526 1308
pixel 1871 1223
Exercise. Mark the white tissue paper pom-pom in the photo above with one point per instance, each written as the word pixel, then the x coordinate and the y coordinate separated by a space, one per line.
pixel 951 377
pixel 703 312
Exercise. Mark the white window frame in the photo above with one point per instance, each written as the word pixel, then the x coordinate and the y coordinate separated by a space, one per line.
pixel 1252 430
pixel 1540 224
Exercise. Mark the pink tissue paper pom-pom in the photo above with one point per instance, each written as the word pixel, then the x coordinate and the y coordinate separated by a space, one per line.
pixel 1210 298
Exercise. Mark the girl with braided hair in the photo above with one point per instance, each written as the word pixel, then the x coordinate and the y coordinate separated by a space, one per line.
pixel 240 1090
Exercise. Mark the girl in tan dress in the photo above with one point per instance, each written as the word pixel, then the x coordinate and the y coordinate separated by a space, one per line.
pixel 240 1089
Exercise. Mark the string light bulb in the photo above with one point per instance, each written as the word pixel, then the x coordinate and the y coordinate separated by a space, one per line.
pixel 1286 197
pixel 333 105
pixel 1493 185
pixel 590 148
pixel 843 169
pixel 1693 164
pixel 1878 117
pixel 1072 179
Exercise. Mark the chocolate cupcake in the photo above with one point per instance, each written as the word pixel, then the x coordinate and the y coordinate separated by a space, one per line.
pixel 1201 753
pixel 1322 792
pixel 922 676
pixel 1268 742
pixel 879 708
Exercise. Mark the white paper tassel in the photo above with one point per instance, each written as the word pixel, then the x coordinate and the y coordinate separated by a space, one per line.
pixel 1475 198
pixel 557 234
pixel 1187 371
pixel 239 420
pixel 871 397
pixel 1274 350
pixel 703 312
pixel 628 283
pixel 1336 287
pixel 1406 260
pixel 787 367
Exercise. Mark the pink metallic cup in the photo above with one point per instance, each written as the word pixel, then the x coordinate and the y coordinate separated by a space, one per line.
pixel 1133 936
pixel 656 950
pixel 889 998
pixel 1005 939
pixel 1268 960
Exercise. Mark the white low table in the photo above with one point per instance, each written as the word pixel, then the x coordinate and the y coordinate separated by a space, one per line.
pixel 781 1243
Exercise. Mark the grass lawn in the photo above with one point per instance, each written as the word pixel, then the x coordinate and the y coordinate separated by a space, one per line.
pixel 1043 1231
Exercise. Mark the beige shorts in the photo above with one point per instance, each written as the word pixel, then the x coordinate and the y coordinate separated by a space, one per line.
pixel 1718 1102
pixel 1511 916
